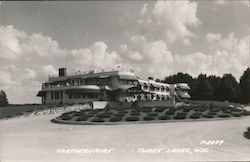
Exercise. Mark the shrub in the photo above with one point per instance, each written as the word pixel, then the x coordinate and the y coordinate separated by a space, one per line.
pixel 79 113
pixel 119 114
pixel 87 115
pixel 132 118
pixel 170 112
pixel 81 118
pixel 236 114
pixel 152 114
pixel 181 113
pixel 146 110
pixel 247 133
pixel 223 115
pixel 164 117
pixel 194 116
pixel 212 113
pixel 97 120
pixel 103 115
pixel 64 117
pixel 148 118
pixel 115 119
pixel 135 113
pixel 160 109
pixel 207 116
pixel 246 113
pixel 180 117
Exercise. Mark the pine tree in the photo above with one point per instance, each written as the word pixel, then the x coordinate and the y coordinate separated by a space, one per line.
pixel 3 99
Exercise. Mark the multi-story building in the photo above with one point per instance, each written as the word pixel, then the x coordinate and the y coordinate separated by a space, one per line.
pixel 107 85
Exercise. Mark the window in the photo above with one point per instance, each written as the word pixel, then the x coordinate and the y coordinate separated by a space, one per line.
pixel 70 96
pixel 57 95
pixel 77 95
pixel 52 95
pixel 61 94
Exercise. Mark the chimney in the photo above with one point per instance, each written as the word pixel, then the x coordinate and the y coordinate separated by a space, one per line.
pixel 150 78
pixel 62 72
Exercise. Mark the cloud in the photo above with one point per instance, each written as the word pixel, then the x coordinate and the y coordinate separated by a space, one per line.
pixel 169 20
pixel 211 37
pixel 27 59
pixel 221 2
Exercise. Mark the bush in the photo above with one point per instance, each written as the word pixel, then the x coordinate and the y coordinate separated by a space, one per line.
pixel 247 133
pixel 194 116
pixel 97 120
pixel 180 117
pixel 115 119
pixel 246 113
pixel 223 116
pixel 103 115
pixel 236 114
pixel 160 109
pixel 212 113
pixel 87 115
pixel 171 111
pixel 135 113
pixel 181 113
pixel 79 113
pixel 132 118
pixel 82 118
pixel 207 116
pixel 164 117
pixel 119 114
pixel 152 114
pixel 148 118
pixel 146 110
pixel 64 117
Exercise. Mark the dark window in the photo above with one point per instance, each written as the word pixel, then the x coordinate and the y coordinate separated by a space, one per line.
pixel 52 95
pixel 61 94
pixel 57 95
pixel 70 96
pixel 77 95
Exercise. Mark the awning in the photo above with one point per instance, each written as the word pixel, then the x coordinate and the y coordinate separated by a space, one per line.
pixel 103 76
pixel 84 89
pixel 127 77
pixel 41 93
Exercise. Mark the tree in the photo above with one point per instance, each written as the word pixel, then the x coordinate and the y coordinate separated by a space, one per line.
pixel 245 87
pixel 214 82
pixel 203 89
pixel 228 89
pixel 3 99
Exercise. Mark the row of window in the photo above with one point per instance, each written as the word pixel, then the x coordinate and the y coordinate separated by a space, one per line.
pixel 84 96
pixel 56 95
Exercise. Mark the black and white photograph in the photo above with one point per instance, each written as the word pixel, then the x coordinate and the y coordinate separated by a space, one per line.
pixel 125 80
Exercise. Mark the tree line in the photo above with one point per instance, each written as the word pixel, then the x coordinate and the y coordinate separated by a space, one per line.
pixel 211 87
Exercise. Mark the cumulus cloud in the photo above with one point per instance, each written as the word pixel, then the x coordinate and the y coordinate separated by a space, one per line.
pixel 169 20
pixel 27 60
pixel 211 37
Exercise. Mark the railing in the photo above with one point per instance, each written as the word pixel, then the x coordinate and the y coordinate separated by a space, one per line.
pixel 95 71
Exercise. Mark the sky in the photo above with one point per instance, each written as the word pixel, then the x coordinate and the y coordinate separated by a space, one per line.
pixel 155 38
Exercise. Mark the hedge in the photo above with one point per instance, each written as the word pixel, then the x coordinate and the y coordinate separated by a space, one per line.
pixel 180 117
pixel 152 114
pixel 132 118
pixel 82 118
pixel 135 113
pixel 160 109
pixel 146 110
pixel 97 120
pixel 64 117
pixel 207 116
pixel 164 117
pixel 148 118
pixel 103 115
pixel 115 119
pixel 223 116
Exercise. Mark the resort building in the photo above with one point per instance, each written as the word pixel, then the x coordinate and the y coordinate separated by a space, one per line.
pixel 118 85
